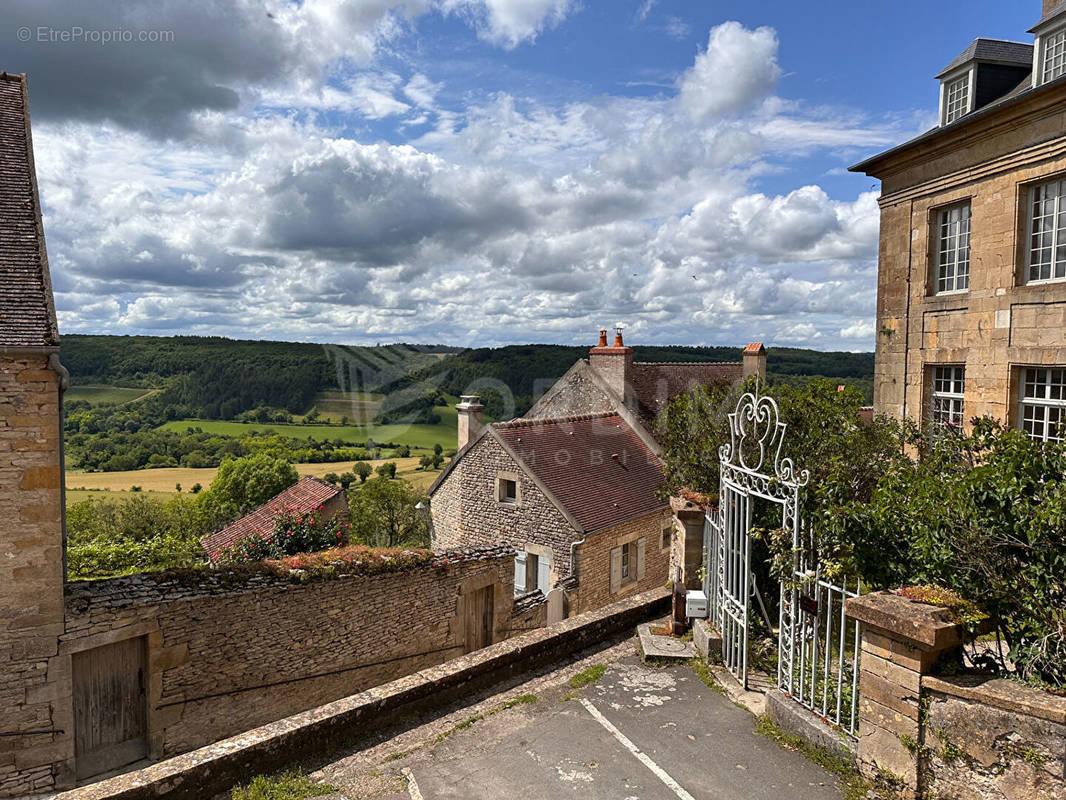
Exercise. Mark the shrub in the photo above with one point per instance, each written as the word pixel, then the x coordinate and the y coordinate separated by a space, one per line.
pixel 296 530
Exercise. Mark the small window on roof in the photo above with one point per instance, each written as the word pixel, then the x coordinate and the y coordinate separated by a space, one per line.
pixel 956 98
pixel 1054 55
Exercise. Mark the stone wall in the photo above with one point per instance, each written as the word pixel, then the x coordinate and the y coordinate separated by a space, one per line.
pixel 968 737
pixel 1000 324
pixel 31 574
pixel 229 651
pixel 573 394
pixel 594 562
pixel 466 509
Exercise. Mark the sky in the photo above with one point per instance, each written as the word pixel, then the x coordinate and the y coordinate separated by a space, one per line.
pixel 476 172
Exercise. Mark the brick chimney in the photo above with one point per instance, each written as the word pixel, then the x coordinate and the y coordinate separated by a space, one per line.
pixel 614 365
pixel 469 409
pixel 755 360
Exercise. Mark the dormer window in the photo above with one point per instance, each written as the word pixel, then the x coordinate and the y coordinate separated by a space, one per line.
pixel 1053 50
pixel 956 97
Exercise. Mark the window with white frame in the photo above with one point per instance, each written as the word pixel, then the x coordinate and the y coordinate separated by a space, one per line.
pixel 956 98
pixel 1047 232
pixel 627 563
pixel 953 251
pixel 949 388
pixel 1043 402
pixel 1053 46
pixel 531 571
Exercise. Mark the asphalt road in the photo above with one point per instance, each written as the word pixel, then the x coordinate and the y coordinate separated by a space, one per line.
pixel 639 733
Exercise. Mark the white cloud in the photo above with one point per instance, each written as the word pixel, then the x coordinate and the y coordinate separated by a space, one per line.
pixel 738 68
pixel 508 23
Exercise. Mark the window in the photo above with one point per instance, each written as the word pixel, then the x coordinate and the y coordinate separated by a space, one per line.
pixel 507 489
pixel 1054 47
pixel 1043 403
pixel 1047 232
pixel 532 571
pixel 956 98
pixel 947 400
pixel 668 535
pixel 627 564
pixel 953 251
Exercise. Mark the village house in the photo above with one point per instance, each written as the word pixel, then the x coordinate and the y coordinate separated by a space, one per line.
pixel 971 299
pixel 308 494
pixel 575 485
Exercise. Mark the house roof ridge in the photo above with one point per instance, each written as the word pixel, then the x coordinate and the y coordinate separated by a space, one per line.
pixel 684 363
pixel 530 423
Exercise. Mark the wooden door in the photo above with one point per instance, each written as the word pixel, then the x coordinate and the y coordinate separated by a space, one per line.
pixel 479 619
pixel 110 714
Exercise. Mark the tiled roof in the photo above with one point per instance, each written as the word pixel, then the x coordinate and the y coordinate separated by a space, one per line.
pixel 998 51
pixel 594 464
pixel 656 384
pixel 27 315
pixel 308 492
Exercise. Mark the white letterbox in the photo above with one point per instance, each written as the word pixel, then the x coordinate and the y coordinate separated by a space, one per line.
pixel 695 604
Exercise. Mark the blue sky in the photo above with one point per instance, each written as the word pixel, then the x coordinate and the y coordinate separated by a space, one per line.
pixel 479 171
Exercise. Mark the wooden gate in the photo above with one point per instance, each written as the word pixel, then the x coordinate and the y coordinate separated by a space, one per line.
pixel 110 715
pixel 479 619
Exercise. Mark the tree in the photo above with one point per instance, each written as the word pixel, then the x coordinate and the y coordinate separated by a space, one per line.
pixel 425 462
pixel 177 488
pixel 196 488
pixel 346 480
pixel 363 470
pixel 403 451
pixel 244 483
pixel 387 470
pixel 383 514
pixel 437 449
pixel 332 477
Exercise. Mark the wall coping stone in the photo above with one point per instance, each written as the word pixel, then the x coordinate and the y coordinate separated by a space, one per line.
pixel 216 767
pixel 1004 694
pixel 920 625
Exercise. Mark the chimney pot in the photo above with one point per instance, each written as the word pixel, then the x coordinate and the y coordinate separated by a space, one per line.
pixel 469 419
pixel 603 338
pixel 618 337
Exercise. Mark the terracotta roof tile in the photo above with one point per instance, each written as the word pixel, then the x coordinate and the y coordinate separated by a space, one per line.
pixel 27 315
pixel 594 464
pixel 656 384
pixel 308 492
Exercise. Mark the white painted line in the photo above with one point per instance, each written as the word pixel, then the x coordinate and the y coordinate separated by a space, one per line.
pixel 412 784
pixel 660 773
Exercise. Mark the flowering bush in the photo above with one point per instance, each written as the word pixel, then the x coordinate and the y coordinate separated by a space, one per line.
pixel 296 530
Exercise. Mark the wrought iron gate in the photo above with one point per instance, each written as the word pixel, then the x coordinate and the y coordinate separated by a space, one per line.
pixel 814 637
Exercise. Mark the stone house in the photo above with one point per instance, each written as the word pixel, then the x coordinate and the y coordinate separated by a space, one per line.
pixel 307 493
pixel 971 297
pixel 32 382
pixel 575 485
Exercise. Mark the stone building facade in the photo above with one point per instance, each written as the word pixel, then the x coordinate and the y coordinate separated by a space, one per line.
pixel 971 308
pixel 32 722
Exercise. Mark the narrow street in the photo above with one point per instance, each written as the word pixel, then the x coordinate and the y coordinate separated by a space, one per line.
pixel 637 732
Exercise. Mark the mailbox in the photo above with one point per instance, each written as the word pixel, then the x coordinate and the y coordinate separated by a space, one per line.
pixel 696 604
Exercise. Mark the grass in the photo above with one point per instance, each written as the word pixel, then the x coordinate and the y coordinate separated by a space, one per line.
pixel 853 785
pixel 287 785
pixel 587 676
pixel 99 395
pixel 418 436
pixel 703 672
pixel 164 480
pixel 359 407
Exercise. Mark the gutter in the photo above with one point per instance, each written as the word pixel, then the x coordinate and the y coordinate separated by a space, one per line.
pixel 63 381
pixel 573 553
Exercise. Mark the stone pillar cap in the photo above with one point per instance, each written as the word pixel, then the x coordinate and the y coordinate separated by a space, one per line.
pixel 920 625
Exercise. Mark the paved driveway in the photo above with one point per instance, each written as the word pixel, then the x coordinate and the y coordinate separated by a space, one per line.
pixel 638 733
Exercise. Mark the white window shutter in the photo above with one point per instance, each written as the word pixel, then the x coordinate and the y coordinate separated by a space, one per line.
pixel 544 575
pixel 640 558
pixel 616 569
pixel 520 572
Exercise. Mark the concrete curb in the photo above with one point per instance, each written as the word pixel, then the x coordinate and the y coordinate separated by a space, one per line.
pixel 214 769
pixel 795 720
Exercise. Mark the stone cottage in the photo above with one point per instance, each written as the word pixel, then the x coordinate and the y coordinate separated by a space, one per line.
pixel 575 486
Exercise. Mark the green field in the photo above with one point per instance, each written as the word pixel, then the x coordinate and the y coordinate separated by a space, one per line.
pixel 359 407
pixel 99 395
pixel 416 436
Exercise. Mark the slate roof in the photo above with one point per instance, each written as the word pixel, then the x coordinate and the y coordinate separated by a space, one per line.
pixel 308 492
pixel 1057 11
pixel 655 384
pixel 27 313
pixel 595 465
pixel 998 51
